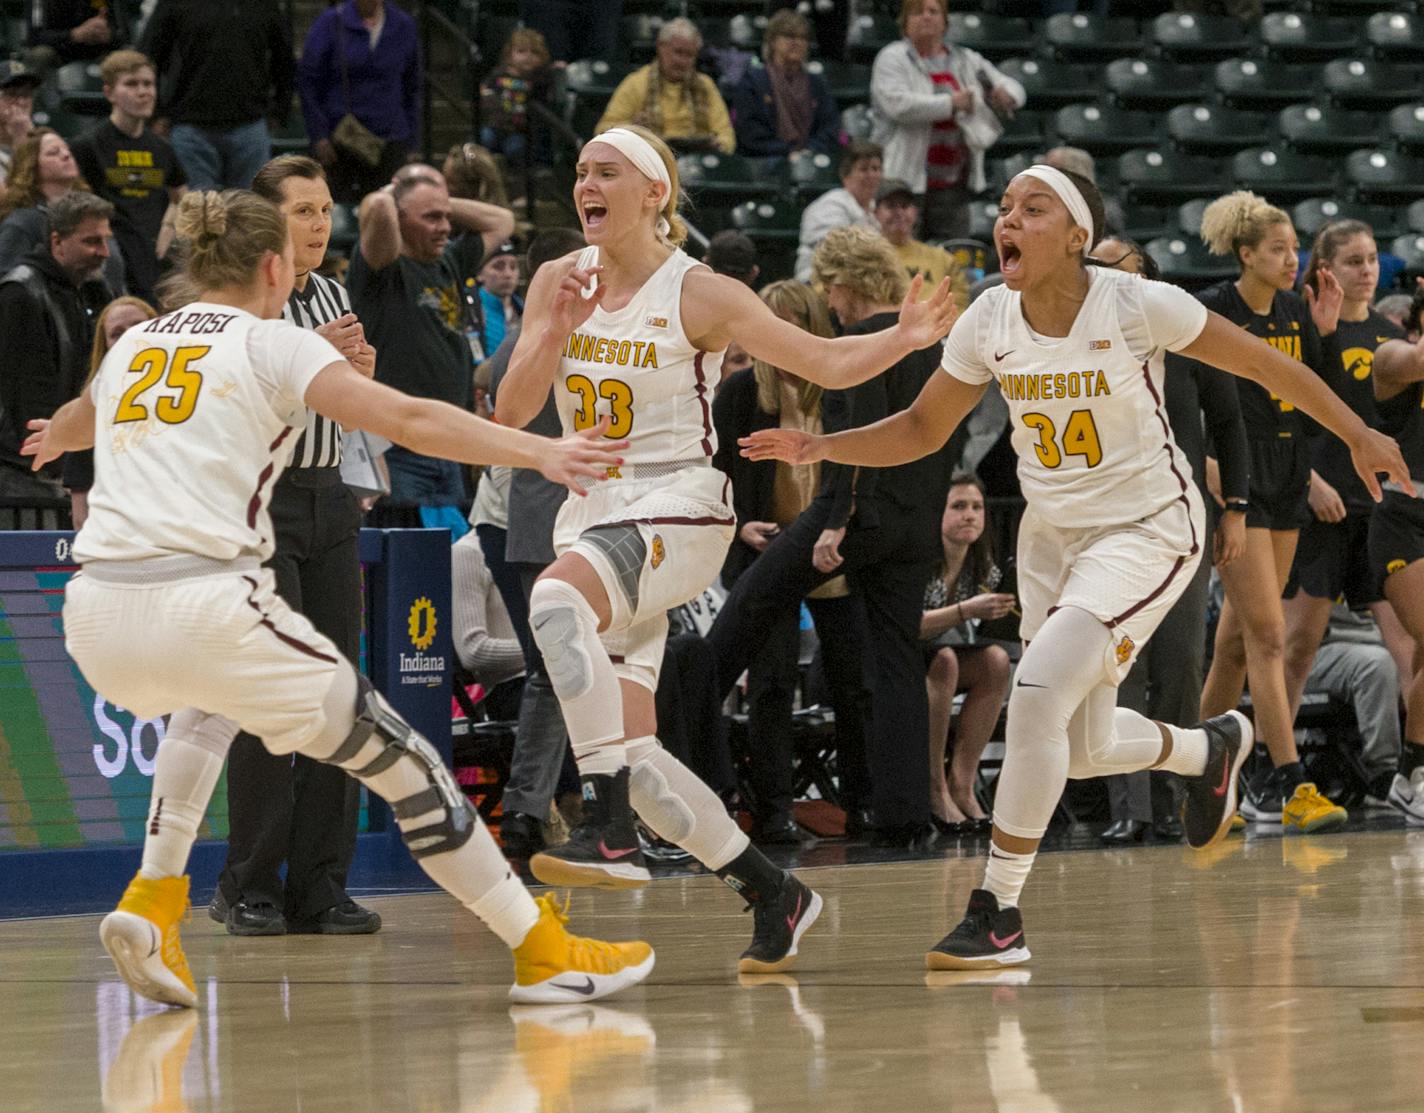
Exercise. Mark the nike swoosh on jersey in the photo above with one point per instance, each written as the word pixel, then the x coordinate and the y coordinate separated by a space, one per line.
pixel 1000 358
pixel 1025 684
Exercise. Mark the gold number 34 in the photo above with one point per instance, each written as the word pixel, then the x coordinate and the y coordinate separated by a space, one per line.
pixel 1080 438
pixel 153 364
pixel 620 403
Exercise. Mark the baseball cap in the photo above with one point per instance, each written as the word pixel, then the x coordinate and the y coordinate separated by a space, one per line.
pixel 894 187
pixel 13 73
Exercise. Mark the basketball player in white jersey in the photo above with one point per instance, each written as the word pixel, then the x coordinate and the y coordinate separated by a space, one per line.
pixel 191 418
pixel 1112 532
pixel 633 330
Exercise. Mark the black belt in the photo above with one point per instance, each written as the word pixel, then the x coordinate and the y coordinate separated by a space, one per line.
pixel 311 477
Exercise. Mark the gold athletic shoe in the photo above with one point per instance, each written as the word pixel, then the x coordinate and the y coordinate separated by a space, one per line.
pixel 1311 812
pixel 552 967
pixel 141 936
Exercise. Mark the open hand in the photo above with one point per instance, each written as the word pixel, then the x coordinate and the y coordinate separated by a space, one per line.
pixel 584 455
pixel 923 323
pixel 1325 306
pixel 37 444
pixel 1374 453
pixel 791 445
pixel 570 309
pixel 1325 501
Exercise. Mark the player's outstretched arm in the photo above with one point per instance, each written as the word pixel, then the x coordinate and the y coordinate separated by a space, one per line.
pixel 717 309
pixel 1224 345
pixel 71 429
pixel 554 308
pixel 433 428
pixel 942 404
pixel 1397 364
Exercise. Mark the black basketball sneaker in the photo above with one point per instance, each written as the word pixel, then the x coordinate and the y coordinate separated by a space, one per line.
pixel 1211 797
pixel 987 937
pixel 603 851
pixel 781 919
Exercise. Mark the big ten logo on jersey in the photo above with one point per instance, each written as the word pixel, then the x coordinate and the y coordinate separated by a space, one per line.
pixel 419 667
pixel 125 744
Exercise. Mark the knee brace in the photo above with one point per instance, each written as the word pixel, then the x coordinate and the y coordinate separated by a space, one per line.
pixel 658 805
pixel 623 547
pixel 396 740
pixel 564 624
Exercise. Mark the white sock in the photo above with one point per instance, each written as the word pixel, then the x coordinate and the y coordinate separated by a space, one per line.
pixel 676 803
pixel 1006 873
pixel 186 769
pixel 581 673
pixel 1189 747
pixel 507 909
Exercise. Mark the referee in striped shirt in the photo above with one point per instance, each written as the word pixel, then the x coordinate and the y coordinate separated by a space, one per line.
pixel 289 808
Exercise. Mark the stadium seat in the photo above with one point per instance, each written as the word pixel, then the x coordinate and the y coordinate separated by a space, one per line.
pixel 639 35
pixel 982 215
pixel 1212 130
pixel 1185 260
pixel 594 78
pixel 1052 84
pixel 1000 171
pixel 1410 248
pixel 1255 84
pixel 858 121
pixel 993 36
pixel 772 219
pixel 747 31
pixel 868 33
pixel 1414 217
pixel 1314 214
pixel 1187 37
pixel 1154 82
pixel 1406 127
pixel 1281 175
pixel 1168 177
pixel 1299 36
pixel 80 89
pixel 1364 83
pixel 1148 222
pixel 1078 37
pixel 726 176
pixel 1397 36
pixel 1325 129
pixel 1105 129
pixel 1189 216
pixel 291 138
pixel 849 82
pixel 1024 132
pixel 1384 176
pixel 813 174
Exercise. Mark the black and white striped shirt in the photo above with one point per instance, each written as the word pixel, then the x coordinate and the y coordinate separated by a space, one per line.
pixel 322 301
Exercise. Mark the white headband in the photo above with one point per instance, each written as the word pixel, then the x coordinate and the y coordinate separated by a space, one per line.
pixel 1069 194
pixel 645 160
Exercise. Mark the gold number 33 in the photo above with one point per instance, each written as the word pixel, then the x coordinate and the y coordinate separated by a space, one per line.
pixel 620 402
pixel 153 364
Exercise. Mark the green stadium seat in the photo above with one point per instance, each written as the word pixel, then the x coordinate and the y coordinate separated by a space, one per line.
pixel 1213 130
pixel 1300 36
pixel 1079 37
pixel 1281 175
pixel 858 121
pixel 593 77
pixel 638 35
pixel 1414 217
pixel 716 179
pixel 1052 84
pixel 1105 129
pixel 1324 129
pixel 1397 36
pixel 1188 37
pixel 1001 171
pixel 1185 260
pixel 1406 127
pixel 849 82
pixel 1023 132
pixel 982 215
pixel 1163 176
pixel 868 33
pixel 1149 222
pixel 1365 83
pixel 1259 84
pixel 1189 216
pixel 1384 176
pixel 1311 215
pixel 993 36
pixel 813 174
pixel 771 219
pixel 79 89
pixel 746 32
pixel 1154 82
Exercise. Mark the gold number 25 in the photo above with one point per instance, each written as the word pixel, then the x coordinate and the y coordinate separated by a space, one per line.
pixel 153 364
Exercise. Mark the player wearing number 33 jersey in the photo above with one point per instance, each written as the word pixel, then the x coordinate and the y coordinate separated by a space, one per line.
pixel 1096 455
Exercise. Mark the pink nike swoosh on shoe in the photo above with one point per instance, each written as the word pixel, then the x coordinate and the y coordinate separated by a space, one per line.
pixel 1220 790
pixel 791 919
pixel 1002 943
pixel 614 854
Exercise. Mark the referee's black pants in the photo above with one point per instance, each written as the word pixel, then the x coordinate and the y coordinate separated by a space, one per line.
pixel 888 566
pixel 290 808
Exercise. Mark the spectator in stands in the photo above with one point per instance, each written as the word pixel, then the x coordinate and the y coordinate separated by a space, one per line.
pixel 1394 308
pixel 938 106
pixel 226 68
pixel 498 307
pixel 961 595
pixel 480 225
pixel 670 98
pixel 63 31
pixel 485 642
pixel 767 496
pixel 896 211
pixel 575 28
pixel 734 254
pixel 117 318
pixel 1079 161
pixel 17 104
pixel 48 304
pixel 470 171
pixel 360 85
pixel 850 206
pixel 734 359
pixel 43 171
pixel 524 74
pixel 878 527
pixel 133 169
pixel 781 108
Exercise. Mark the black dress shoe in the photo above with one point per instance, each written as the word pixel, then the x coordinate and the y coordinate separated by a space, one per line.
pixel 781 831
pixel 982 826
pixel 858 823
pixel 1124 832
pixel 915 837
pixel 1169 829
pixel 521 835
pixel 952 828
pixel 346 918
pixel 217 908
pixel 255 918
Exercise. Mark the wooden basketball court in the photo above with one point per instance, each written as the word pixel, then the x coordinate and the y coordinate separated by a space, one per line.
pixel 1281 974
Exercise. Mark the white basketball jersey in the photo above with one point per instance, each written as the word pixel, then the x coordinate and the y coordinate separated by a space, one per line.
pixel 637 366
pixel 197 412
pixel 1088 420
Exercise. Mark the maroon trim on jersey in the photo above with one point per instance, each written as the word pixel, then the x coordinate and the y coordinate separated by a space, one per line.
pixel 255 504
pixel 702 397
pixel 1117 619
pixel 670 522
pixel 295 643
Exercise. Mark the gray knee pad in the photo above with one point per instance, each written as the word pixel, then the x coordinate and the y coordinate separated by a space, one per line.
pixel 398 739
pixel 555 612
pixel 625 550
pixel 658 806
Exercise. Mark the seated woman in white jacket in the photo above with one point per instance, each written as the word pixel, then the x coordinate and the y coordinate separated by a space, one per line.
pixel 938 108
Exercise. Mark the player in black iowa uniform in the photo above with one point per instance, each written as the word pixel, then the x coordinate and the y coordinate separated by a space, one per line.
pixel 1251 634
pixel 1396 548
pixel 1332 561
